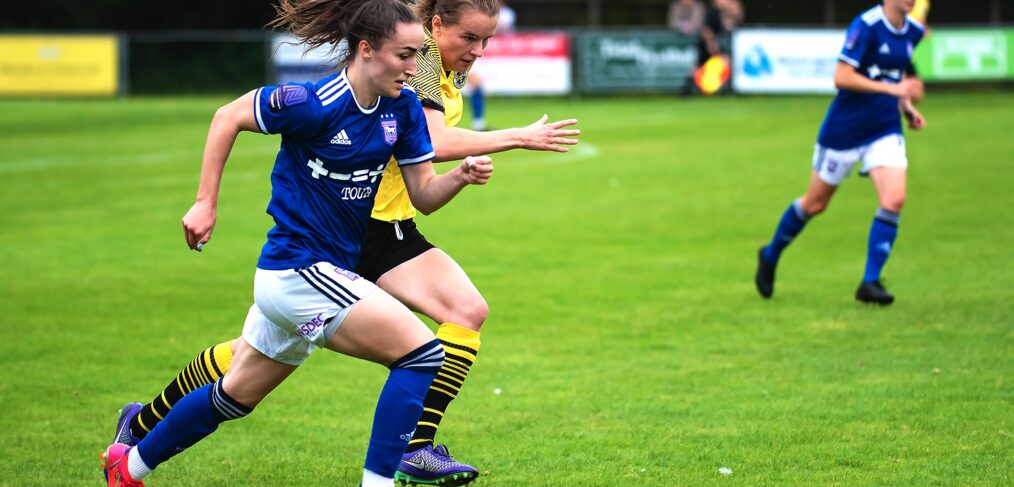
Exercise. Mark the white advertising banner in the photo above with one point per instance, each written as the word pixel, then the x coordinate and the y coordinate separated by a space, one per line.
pixel 530 63
pixel 785 60
pixel 292 64
pixel 512 64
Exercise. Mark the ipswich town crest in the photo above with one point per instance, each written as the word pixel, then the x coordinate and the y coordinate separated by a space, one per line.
pixel 390 131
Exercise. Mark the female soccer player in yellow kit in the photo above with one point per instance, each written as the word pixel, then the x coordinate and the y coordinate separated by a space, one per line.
pixel 396 256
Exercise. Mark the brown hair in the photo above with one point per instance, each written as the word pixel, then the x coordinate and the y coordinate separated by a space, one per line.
pixel 321 22
pixel 450 11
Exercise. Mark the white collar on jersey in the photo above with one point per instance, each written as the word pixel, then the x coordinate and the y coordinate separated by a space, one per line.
pixel 366 111
pixel 878 13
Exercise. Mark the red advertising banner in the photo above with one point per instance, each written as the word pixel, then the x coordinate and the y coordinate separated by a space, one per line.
pixel 526 63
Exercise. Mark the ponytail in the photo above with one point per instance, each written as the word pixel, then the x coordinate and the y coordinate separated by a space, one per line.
pixel 327 22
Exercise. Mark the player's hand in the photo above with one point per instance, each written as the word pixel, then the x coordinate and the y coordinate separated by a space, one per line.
pixel 549 136
pixel 477 169
pixel 915 119
pixel 198 224
pixel 908 88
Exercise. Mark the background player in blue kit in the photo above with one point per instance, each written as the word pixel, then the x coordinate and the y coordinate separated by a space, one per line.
pixel 863 123
pixel 338 137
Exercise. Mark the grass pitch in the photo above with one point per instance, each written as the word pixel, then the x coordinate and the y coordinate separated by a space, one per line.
pixel 625 334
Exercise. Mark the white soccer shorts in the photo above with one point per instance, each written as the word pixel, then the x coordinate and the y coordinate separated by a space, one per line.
pixel 833 166
pixel 297 310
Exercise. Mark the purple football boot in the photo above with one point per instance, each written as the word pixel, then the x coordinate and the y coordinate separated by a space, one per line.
pixel 123 434
pixel 433 466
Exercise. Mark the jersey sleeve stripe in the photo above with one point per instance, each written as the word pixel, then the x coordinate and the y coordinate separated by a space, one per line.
pixel 329 85
pixel 416 160
pixel 334 97
pixel 849 61
pixel 324 93
pixel 257 110
pixel 873 15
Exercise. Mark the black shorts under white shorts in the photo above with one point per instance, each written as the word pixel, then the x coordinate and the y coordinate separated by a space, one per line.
pixel 387 245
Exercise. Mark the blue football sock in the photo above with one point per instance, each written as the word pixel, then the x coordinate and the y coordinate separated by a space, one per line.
pixel 792 222
pixel 400 405
pixel 882 234
pixel 478 108
pixel 193 418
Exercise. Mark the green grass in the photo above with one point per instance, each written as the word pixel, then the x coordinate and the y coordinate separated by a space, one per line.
pixel 625 332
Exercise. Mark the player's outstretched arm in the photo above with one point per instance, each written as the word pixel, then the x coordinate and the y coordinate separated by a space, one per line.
pixel 429 191
pixel 452 143
pixel 227 123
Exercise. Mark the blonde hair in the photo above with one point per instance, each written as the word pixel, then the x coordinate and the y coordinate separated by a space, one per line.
pixel 450 11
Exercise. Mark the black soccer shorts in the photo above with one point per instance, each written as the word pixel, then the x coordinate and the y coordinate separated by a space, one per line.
pixel 387 245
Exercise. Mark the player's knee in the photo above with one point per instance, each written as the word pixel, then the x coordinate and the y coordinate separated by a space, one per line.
pixel 427 358
pixel 814 206
pixel 893 202
pixel 227 405
pixel 238 392
pixel 472 313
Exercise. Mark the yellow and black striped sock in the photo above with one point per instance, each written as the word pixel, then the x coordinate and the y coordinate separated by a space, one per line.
pixel 461 345
pixel 207 367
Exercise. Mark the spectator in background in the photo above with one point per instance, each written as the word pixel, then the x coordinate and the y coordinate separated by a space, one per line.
pixel 504 25
pixel 723 17
pixel 686 17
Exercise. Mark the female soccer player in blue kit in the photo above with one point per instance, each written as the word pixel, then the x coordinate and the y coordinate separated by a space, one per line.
pixel 863 123
pixel 338 136
pixel 396 255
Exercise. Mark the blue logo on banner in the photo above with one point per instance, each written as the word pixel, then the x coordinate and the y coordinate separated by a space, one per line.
pixel 757 63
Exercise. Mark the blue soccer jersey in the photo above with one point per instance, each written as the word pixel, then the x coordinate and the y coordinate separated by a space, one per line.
pixel 881 52
pixel 332 157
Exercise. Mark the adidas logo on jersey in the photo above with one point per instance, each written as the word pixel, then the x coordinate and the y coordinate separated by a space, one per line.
pixel 884 49
pixel 341 138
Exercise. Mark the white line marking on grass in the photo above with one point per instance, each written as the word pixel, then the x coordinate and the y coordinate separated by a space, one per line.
pixel 580 152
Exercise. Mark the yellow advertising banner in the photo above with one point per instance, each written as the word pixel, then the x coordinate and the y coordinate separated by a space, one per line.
pixel 34 65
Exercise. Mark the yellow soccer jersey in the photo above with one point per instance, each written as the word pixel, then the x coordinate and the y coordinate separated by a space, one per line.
pixel 438 90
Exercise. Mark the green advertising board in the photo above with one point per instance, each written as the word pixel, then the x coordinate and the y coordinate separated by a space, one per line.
pixel 966 55
pixel 635 61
